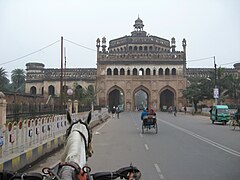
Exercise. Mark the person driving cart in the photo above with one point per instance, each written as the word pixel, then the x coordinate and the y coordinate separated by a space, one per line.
pixel 144 114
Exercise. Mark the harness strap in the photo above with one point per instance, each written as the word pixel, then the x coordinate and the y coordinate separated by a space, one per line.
pixel 84 138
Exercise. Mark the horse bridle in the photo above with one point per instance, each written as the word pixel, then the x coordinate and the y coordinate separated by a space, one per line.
pixel 88 146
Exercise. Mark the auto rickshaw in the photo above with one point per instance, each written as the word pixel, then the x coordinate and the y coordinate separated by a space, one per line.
pixel 220 113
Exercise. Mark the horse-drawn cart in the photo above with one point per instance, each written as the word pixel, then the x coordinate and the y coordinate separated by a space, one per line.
pixel 149 122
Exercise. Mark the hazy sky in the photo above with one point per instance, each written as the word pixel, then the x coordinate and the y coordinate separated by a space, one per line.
pixel 211 28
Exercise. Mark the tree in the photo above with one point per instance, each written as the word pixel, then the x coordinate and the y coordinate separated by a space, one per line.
pixel 198 90
pixel 232 87
pixel 4 82
pixel 18 79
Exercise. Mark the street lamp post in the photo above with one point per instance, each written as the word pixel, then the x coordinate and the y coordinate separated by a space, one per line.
pixel 70 104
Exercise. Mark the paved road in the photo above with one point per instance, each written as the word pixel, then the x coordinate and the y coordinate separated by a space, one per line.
pixel 185 148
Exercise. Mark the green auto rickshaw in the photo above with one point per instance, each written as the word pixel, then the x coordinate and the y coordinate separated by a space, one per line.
pixel 220 113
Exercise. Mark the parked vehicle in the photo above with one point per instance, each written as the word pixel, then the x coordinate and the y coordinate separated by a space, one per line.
pixel 220 113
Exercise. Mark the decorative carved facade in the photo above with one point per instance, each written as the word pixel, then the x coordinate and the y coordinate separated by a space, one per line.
pixel 140 62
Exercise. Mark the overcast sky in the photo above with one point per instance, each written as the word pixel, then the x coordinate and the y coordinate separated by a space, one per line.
pixel 211 28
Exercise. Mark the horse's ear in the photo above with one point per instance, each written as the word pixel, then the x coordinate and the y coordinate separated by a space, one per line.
pixel 89 117
pixel 69 117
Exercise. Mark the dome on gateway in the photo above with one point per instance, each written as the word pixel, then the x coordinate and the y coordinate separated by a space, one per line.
pixel 138 23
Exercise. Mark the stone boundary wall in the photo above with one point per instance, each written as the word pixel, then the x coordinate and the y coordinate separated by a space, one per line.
pixel 27 141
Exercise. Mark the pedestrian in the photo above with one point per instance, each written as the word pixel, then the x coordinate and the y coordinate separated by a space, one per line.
pixel 185 109
pixel 113 111
pixel 175 111
pixel 117 112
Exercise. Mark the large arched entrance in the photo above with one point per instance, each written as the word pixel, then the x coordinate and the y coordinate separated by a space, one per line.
pixel 115 97
pixel 141 99
pixel 166 99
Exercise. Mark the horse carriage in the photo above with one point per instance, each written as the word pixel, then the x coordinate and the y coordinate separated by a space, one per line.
pixel 73 163
pixel 149 122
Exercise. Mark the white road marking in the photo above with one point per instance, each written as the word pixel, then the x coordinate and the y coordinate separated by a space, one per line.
pixel 146 146
pixel 213 143
pixel 161 176
pixel 159 171
pixel 157 168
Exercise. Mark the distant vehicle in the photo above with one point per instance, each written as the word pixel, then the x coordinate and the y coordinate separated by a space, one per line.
pixel 120 108
pixel 220 113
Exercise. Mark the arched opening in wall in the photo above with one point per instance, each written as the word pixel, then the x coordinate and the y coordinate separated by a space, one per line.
pixel 79 92
pixel 141 100
pixel 167 71
pixel 147 71
pixel 160 71
pixel 115 98
pixel 109 71
pixel 174 71
pixel 128 72
pixel 154 72
pixel 135 48
pixel 140 48
pixel 145 48
pixel 150 48
pixel 51 90
pixel 166 99
pixel 134 71
pixel 130 48
pixel 42 91
pixel 33 90
pixel 122 72
pixel 141 72
pixel 115 71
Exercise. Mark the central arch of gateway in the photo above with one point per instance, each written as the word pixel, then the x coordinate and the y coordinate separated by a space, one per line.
pixel 140 71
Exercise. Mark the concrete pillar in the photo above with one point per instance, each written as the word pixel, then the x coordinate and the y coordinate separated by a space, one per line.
pixel 3 108
pixel 76 106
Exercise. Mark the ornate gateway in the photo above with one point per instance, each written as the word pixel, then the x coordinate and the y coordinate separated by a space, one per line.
pixel 140 70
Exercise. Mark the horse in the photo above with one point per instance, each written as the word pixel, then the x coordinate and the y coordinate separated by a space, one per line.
pixel 77 149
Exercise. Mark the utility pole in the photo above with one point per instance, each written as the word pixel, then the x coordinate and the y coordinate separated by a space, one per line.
pixel 215 90
pixel 61 77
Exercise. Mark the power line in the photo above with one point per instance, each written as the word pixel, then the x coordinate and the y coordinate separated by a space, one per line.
pixel 201 59
pixel 230 63
pixel 34 52
pixel 80 45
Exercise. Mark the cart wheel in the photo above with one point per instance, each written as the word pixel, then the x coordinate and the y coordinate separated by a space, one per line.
pixel 142 128
pixel 156 127
pixel 212 121
pixel 224 122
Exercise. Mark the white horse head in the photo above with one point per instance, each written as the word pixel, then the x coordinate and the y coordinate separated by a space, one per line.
pixel 78 145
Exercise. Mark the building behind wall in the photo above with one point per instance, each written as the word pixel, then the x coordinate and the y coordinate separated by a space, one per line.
pixel 46 81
